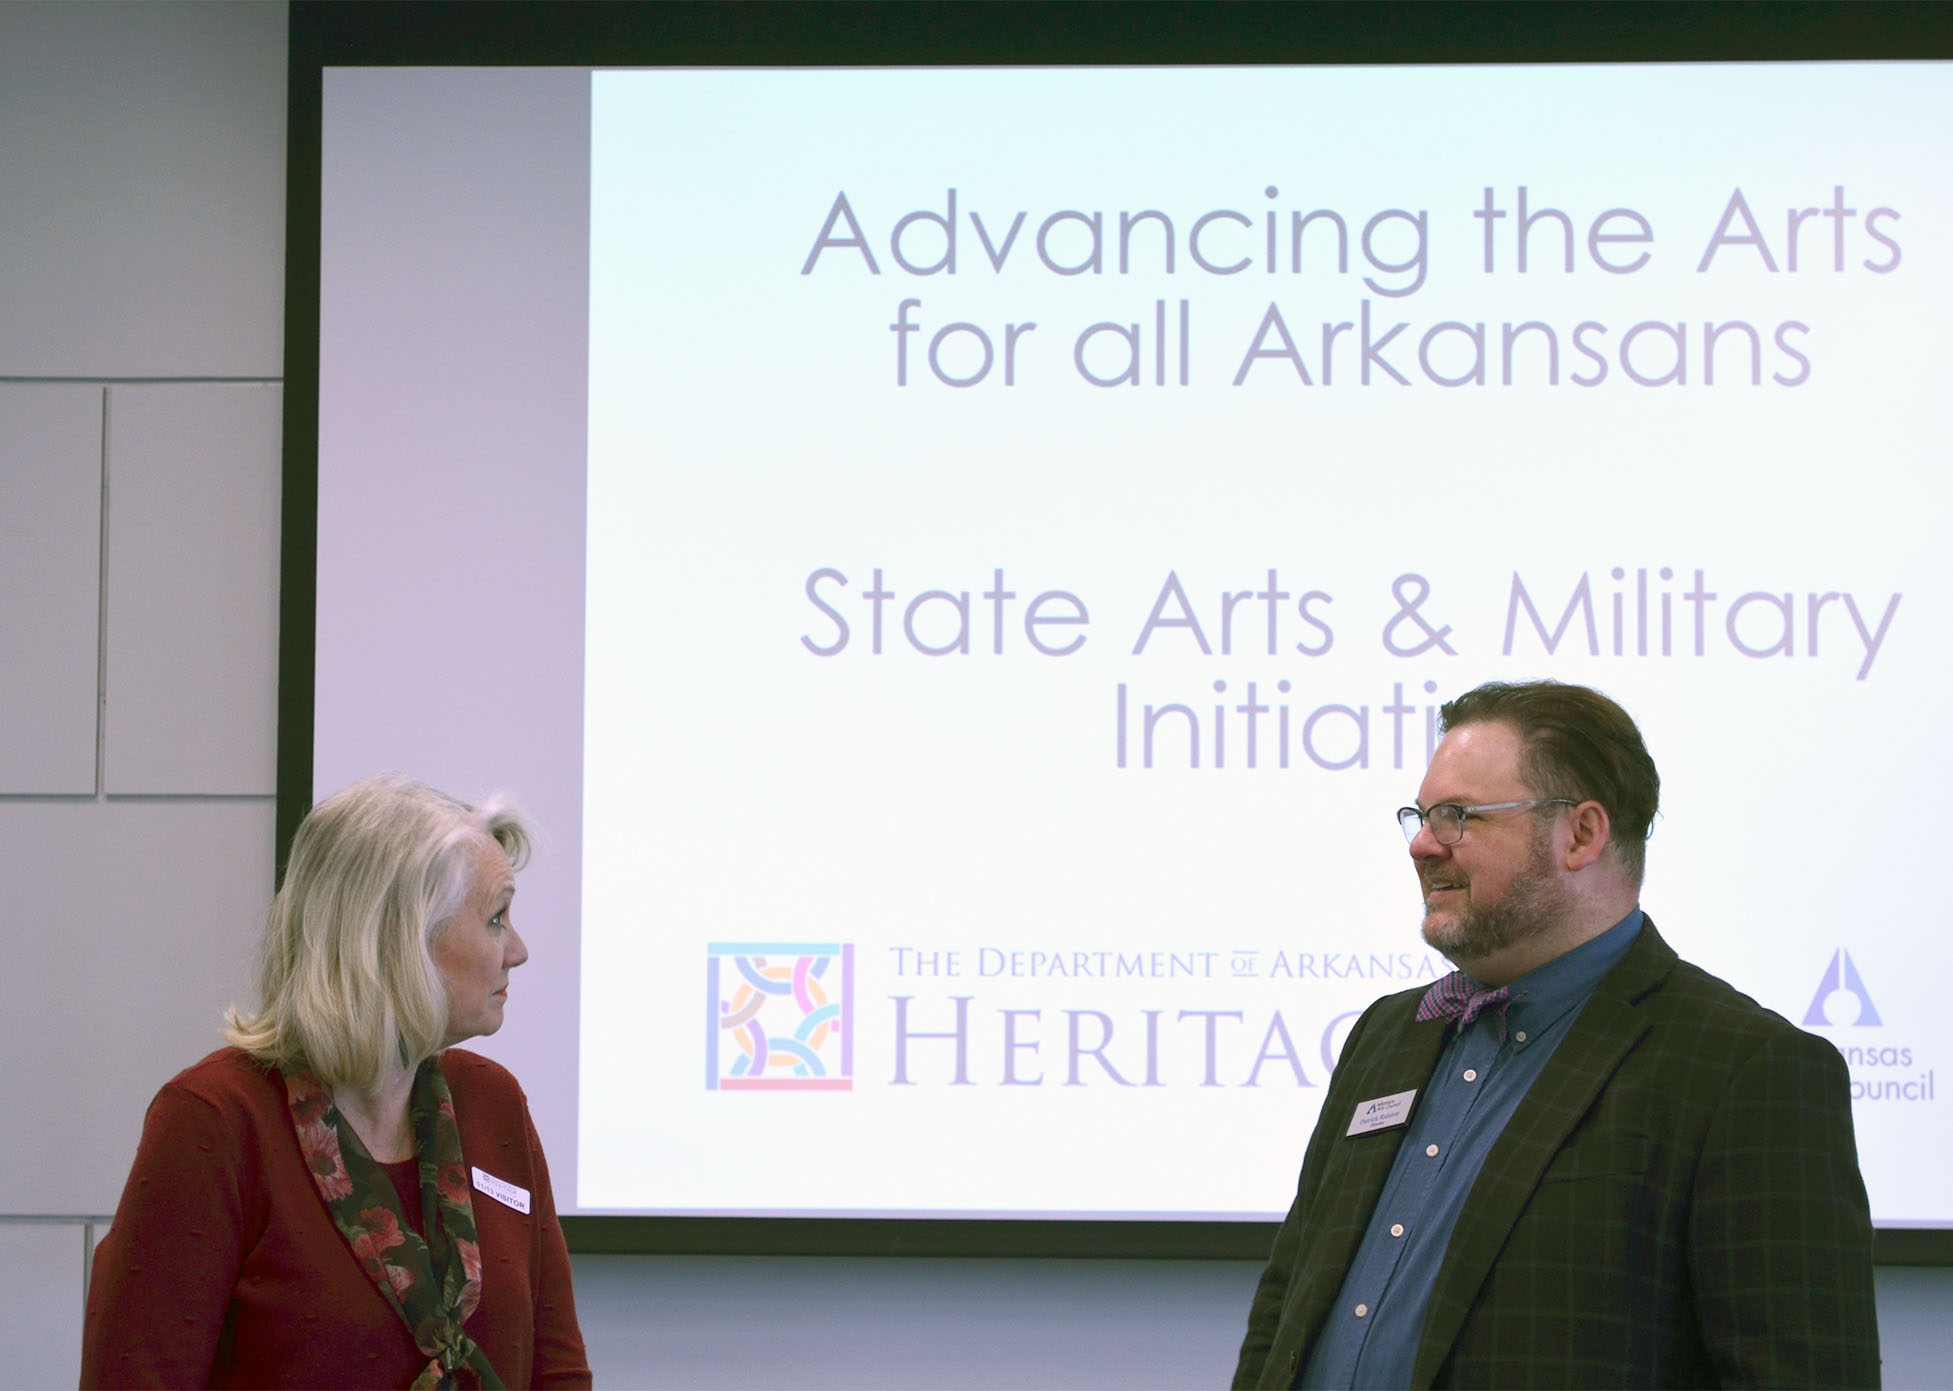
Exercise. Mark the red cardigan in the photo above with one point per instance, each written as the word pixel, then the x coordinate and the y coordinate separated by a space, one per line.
pixel 223 1268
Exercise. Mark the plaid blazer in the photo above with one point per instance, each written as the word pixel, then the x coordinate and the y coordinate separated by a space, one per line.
pixel 1676 1202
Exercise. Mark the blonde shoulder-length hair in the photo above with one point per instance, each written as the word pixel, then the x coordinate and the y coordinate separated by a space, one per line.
pixel 348 990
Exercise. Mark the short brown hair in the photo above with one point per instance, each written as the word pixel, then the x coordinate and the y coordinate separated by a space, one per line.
pixel 1578 744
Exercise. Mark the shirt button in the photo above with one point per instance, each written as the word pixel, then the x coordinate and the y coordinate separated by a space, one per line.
pixel 1520 1036
pixel 1471 1074
pixel 1396 1228
pixel 1362 1311
pixel 1431 1150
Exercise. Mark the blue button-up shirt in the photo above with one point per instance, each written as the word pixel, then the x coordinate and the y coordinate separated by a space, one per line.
pixel 1370 1337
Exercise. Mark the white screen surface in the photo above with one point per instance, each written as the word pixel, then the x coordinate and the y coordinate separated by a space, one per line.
pixel 1065 982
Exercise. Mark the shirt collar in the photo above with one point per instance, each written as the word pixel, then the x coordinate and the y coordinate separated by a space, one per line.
pixel 1546 992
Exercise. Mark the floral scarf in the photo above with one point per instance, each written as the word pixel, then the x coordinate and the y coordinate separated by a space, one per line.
pixel 433 1284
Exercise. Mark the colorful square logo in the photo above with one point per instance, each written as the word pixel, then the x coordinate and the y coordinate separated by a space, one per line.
pixel 779 1016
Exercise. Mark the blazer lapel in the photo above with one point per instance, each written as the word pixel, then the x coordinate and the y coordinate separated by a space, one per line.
pixel 1609 1025
pixel 1358 1164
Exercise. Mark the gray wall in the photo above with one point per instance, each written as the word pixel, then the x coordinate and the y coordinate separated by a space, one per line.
pixel 141 282
pixel 141 253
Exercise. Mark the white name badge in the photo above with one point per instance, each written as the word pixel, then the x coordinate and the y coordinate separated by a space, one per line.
pixel 501 1190
pixel 1380 1114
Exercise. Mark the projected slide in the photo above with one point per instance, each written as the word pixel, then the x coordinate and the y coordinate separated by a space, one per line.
pixel 1034 517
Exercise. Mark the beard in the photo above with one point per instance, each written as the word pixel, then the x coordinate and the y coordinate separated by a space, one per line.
pixel 1534 901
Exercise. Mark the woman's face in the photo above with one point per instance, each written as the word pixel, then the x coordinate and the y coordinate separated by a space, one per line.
pixel 477 948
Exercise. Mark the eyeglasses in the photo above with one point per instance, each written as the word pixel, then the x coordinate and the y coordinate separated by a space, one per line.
pixel 1447 819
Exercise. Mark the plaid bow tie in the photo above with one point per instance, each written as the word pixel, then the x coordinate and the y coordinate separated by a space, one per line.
pixel 1459 996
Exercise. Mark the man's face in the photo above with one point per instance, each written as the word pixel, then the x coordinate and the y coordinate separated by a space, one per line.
pixel 1500 883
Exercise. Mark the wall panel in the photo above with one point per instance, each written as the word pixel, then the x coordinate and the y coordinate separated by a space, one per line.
pixel 130 925
pixel 50 585
pixel 192 589
pixel 40 1304
pixel 143 169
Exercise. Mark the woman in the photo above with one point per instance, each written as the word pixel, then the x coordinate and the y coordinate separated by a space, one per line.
pixel 334 1200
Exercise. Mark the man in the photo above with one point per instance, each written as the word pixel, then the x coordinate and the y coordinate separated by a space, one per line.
pixel 1579 1160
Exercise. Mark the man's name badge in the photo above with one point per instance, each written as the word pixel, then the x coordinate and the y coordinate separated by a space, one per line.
pixel 1381 1114
pixel 501 1190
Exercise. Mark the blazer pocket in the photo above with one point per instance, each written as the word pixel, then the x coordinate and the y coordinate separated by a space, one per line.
pixel 1616 1156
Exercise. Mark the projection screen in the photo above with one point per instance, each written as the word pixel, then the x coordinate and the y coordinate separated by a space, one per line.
pixel 964 562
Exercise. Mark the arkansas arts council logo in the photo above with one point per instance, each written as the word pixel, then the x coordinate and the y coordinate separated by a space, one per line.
pixel 779 1016
pixel 1841 997
pixel 1882 1068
